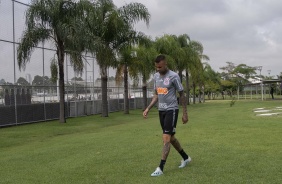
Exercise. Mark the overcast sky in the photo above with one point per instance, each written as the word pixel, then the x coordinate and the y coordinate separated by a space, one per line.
pixel 238 31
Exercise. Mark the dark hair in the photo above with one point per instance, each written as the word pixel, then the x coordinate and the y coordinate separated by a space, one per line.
pixel 159 58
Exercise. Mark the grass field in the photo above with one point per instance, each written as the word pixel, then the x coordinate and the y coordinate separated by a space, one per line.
pixel 227 145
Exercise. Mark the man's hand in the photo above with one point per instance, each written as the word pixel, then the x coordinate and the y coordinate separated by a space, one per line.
pixel 145 113
pixel 185 118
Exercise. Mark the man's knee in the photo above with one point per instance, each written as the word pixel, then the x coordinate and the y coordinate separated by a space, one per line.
pixel 166 138
pixel 173 139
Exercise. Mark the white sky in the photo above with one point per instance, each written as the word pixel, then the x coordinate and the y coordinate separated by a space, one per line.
pixel 239 31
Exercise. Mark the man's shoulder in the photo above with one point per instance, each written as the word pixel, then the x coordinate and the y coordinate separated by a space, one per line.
pixel 156 75
pixel 172 73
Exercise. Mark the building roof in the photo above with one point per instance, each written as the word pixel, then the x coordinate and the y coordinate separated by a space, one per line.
pixel 269 81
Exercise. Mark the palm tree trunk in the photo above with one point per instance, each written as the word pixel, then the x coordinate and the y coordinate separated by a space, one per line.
pixel 180 75
pixel 126 100
pixel 187 88
pixel 200 93
pixel 203 93
pixel 194 93
pixel 144 90
pixel 104 81
pixel 61 54
pixel 238 93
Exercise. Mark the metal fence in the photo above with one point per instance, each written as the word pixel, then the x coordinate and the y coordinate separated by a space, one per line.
pixel 37 98
pixel 27 104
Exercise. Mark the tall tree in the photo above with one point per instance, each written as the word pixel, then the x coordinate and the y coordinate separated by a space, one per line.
pixel 128 61
pixel 2 81
pixel 143 66
pixel 60 22
pixel 22 81
pixel 195 66
pixel 182 61
pixel 196 71
pixel 238 74
pixel 38 80
pixel 169 46
pixel 114 28
pixel 125 60
pixel 211 80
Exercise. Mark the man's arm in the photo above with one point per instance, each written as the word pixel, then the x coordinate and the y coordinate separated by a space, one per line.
pixel 183 102
pixel 153 102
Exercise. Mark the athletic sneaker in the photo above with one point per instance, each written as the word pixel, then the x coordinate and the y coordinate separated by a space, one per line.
pixel 185 162
pixel 157 172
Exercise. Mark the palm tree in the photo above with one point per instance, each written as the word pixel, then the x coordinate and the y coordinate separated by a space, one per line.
pixel 212 79
pixel 125 61
pixel 196 71
pixel 186 55
pixel 59 22
pixel 177 47
pixel 114 27
pixel 143 65
pixel 182 61
pixel 195 67
pixel 169 46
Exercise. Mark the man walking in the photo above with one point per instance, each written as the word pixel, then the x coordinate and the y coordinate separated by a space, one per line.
pixel 166 83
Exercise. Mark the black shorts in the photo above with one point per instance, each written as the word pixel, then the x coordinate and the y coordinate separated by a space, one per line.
pixel 168 120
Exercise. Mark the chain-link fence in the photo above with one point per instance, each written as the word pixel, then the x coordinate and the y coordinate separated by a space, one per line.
pixel 27 104
pixel 29 95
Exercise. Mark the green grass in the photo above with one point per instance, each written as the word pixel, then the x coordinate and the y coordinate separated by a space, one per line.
pixel 227 145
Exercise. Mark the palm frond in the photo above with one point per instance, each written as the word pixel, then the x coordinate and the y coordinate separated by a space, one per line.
pixel 183 40
pixel 197 46
pixel 54 70
pixel 119 74
pixel 30 39
pixel 135 12
pixel 205 57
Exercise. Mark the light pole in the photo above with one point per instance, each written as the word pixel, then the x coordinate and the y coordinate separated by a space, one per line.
pixel 268 71
pixel 259 68
pixel 260 78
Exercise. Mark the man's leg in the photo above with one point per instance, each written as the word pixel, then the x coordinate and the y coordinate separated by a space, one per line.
pixel 165 152
pixel 175 143
pixel 166 149
pixel 177 146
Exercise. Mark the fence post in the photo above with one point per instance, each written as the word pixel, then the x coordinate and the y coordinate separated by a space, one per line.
pixel 262 92
pixel 93 86
pixel 43 60
pixel 14 57
pixel 251 92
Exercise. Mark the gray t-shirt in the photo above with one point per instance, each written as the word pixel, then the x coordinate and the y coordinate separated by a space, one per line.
pixel 166 87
